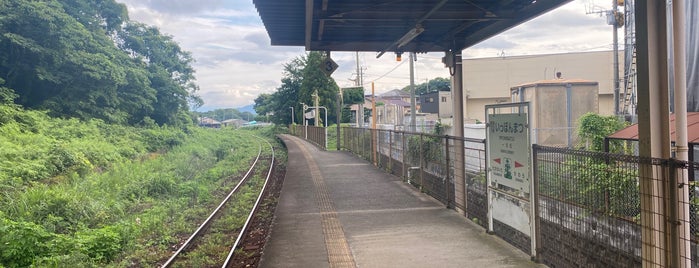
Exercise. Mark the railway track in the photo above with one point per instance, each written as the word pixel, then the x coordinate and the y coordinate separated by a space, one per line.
pixel 261 166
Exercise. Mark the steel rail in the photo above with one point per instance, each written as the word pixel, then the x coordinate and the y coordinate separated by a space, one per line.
pixel 245 227
pixel 208 220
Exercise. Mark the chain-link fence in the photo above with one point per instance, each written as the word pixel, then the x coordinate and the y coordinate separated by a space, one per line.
pixel 590 214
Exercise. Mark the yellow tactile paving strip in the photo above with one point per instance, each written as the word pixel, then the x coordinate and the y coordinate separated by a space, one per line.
pixel 339 254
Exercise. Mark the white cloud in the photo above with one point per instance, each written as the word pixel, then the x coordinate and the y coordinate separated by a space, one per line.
pixel 235 63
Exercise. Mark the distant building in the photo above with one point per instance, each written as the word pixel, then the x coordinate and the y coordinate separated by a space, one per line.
pixel 395 94
pixel 392 112
pixel 209 122
pixel 437 103
pixel 391 107
pixel 489 80
pixel 233 123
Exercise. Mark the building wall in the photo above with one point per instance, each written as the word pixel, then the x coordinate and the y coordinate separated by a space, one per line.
pixel 389 114
pixel 429 102
pixel 488 80
pixel 446 105
pixel 475 108
pixel 555 113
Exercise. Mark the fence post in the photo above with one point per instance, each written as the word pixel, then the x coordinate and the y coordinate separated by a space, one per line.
pixel 404 171
pixel 374 138
pixel 674 222
pixel 390 150
pixel 446 168
pixel 536 234
pixel 363 148
pixel 420 152
pixel 325 132
pixel 378 146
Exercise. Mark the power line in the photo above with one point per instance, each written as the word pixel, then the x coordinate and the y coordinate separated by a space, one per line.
pixel 394 68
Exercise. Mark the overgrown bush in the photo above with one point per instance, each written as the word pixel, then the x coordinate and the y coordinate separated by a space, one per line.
pixel 593 128
pixel 600 186
pixel 431 147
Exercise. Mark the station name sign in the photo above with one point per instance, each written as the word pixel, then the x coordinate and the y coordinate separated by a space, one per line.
pixel 508 140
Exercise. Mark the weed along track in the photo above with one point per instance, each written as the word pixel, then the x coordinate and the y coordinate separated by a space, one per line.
pixel 215 242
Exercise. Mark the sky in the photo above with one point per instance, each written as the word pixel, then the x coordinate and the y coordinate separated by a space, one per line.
pixel 235 61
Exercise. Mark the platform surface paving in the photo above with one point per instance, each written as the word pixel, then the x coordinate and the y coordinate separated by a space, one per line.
pixel 337 210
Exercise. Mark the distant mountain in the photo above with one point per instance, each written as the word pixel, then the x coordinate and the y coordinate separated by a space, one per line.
pixel 247 108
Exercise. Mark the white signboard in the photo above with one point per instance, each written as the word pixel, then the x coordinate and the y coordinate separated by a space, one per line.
pixel 508 143
pixel 509 169
pixel 310 115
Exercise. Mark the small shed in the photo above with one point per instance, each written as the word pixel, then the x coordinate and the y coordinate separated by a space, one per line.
pixel 556 105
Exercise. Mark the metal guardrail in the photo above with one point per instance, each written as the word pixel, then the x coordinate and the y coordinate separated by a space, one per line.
pixel 427 162
pixel 314 134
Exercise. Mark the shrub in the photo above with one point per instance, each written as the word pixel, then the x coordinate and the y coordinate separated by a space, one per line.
pixel 593 128
pixel 22 242
pixel 101 244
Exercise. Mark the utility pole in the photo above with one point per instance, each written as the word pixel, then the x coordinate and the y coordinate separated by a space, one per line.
pixel 613 20
pixel 359 83
pixel 615 40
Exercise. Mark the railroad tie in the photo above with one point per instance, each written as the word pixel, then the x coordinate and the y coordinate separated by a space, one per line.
pixel 339 254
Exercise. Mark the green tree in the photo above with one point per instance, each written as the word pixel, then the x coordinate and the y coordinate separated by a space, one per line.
pixel 53 62
pixel 85 59
pixel 264 104
pixel 436 84
pixel 353 95
pixel 169 68
pixel 286 95
pixel 302 76
pixel 314 79
pixel 593 128
pixel 224 114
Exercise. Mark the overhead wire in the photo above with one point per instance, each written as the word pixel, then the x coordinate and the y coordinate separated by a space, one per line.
pixel 389 72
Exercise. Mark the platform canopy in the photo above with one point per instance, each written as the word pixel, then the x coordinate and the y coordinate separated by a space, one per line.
pixel 393 25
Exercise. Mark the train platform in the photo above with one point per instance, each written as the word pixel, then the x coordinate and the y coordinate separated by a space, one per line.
pixel 337 210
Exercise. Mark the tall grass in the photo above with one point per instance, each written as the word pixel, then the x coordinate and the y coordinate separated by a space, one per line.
pixel 81 194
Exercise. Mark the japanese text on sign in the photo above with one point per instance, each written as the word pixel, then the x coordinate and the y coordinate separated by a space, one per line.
pixel 508 143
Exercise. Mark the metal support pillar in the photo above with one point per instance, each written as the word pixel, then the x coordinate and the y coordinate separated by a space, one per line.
pixel 653 126
pixel 338 120
pixel 413 106
pixel 683 236
pixel 373 125
pixel 458 100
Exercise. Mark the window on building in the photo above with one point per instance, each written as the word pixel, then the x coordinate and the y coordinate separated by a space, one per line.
pixel 444 99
